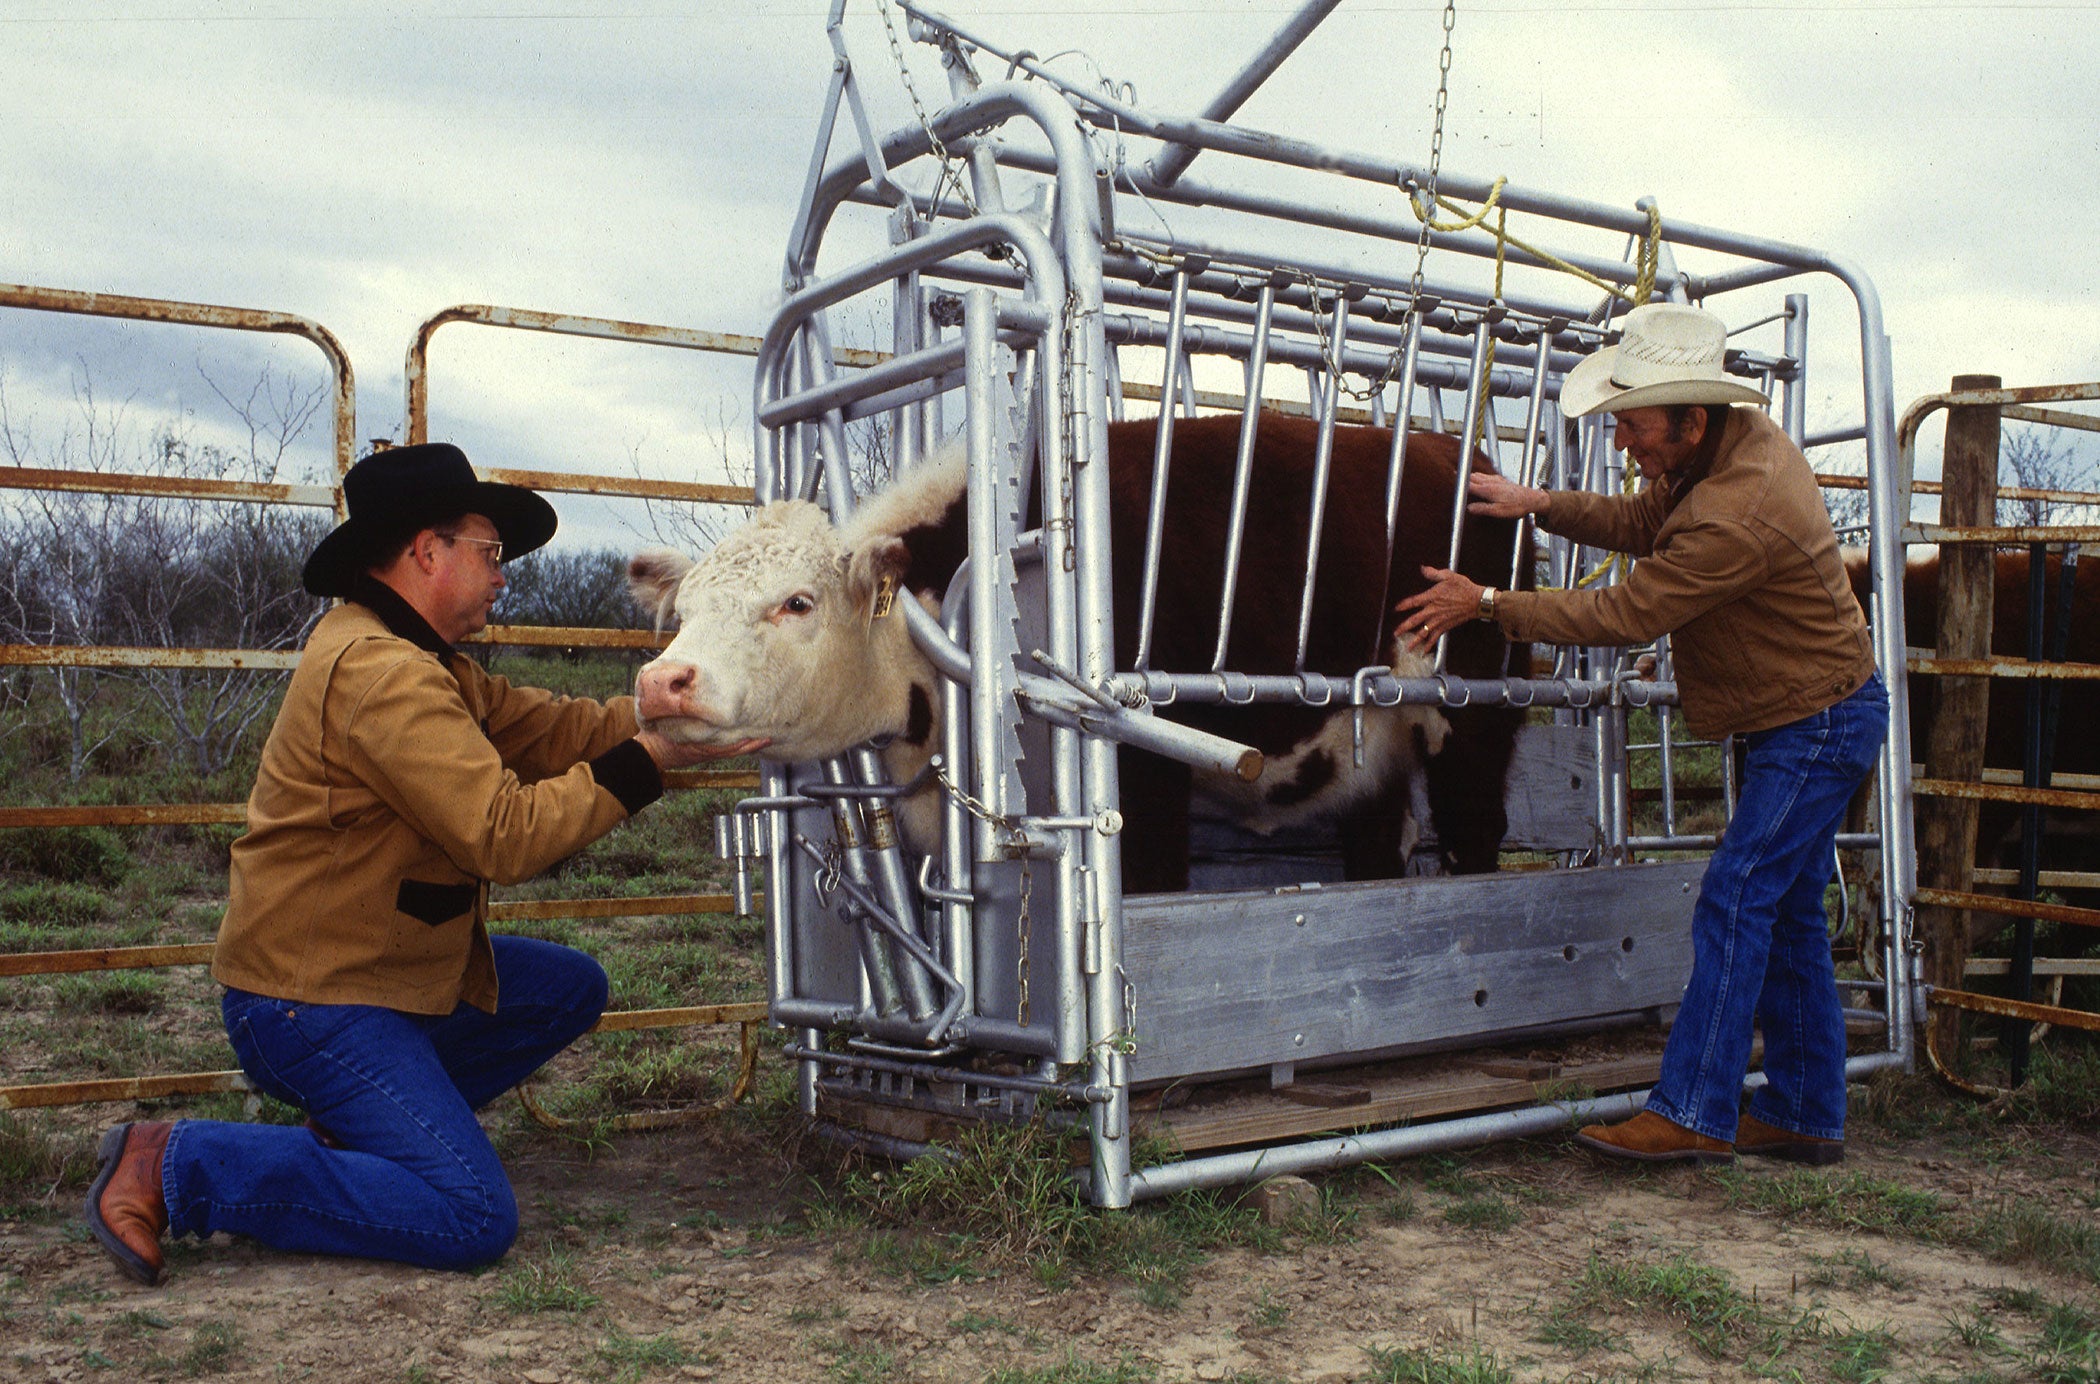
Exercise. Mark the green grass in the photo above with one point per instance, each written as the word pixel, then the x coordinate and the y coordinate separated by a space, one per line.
pixel 33 1157
pixel 1268 1314
pixel 1853 1268
pixel 550 1285
pixel 1004 1200
pixel 1714 1312
pixel 1073 1370
pixel 1438 1365
pixel 1486 1212
pixel 214 1348
pixel 633 1358
pixel 858 1364
pixel 2010 1231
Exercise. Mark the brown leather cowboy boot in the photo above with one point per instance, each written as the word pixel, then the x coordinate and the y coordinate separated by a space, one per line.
pixel 1755 1136
pixel 1650 1138
pixel 125 1207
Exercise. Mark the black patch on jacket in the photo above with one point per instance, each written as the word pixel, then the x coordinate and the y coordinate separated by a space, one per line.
pixel 918 723
pixel 434 904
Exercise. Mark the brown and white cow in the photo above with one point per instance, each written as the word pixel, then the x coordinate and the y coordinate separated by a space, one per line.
pixel 777 640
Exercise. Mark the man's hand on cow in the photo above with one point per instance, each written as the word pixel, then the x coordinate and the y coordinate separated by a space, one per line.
pixel 1498 497
pixel 1427 616
pixel 681 754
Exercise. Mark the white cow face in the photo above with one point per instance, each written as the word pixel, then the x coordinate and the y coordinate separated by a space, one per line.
pixel 775 639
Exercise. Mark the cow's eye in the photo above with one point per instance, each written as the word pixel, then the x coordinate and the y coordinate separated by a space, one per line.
pixel 798 605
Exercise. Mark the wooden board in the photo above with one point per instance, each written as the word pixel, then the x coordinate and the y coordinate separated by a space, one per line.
pixel 1400 1093
pixel 1228 983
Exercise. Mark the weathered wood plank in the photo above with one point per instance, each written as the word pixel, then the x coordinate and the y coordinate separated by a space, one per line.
pixel 1245 981
pixel 1946 827
pixel 1443 1089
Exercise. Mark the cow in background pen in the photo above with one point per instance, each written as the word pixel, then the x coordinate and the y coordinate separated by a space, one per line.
pixel 778 640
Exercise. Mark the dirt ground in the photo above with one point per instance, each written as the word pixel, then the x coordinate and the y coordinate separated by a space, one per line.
pixel 695 1254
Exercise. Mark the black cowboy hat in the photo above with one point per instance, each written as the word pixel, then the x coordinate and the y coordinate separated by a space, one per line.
pixel 394 493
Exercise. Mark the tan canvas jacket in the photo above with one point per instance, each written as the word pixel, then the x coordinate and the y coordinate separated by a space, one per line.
pixel 1744 575
pixel 399 779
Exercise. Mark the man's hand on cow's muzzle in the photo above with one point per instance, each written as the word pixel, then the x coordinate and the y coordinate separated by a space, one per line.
pixel 1427 616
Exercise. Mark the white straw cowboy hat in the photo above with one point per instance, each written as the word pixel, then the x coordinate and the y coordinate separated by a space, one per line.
pixel 1667 354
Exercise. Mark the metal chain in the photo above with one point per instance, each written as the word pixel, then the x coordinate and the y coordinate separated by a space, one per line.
pixel 1328 352
pixel 949 172
pixel 1068 406
pixel 1321 331
pixel 973 806
pixel 1024 924
pixel 1436 146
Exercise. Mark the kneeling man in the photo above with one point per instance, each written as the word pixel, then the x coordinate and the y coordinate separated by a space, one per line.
pixel 361 983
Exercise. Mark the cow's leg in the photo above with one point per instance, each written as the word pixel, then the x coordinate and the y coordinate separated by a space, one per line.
pixel 1467 783
pixel 1377 836
pixel 1155 823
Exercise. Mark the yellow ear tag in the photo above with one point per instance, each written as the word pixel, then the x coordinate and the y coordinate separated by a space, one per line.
pixel 885 596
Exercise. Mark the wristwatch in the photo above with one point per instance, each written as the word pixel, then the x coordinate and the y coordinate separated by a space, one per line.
pixel 1486 610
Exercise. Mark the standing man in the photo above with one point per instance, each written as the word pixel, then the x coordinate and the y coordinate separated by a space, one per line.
pixel 1738 564
pixel 362 985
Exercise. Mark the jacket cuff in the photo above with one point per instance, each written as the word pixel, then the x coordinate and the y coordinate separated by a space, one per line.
pixel 1544 517
pixel 629 773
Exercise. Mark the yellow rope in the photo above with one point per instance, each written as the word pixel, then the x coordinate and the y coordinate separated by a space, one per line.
pixel 1647 256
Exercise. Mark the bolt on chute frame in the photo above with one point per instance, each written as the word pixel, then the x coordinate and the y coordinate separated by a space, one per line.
pixel 1028 256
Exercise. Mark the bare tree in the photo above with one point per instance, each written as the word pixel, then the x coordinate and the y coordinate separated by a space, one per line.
pixel 2035 459
pixel 131 569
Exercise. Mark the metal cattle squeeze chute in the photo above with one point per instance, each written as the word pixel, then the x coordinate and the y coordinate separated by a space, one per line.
pixel 1024 251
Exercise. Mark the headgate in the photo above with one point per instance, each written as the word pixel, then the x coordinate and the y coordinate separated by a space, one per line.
pixel 1010 974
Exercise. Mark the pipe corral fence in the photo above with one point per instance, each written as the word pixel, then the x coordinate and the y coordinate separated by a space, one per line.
pixel 746 1016
pixel 1956 781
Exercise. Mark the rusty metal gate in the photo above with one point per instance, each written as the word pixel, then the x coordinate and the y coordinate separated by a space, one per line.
pixel 1954 778
pixel 149 1086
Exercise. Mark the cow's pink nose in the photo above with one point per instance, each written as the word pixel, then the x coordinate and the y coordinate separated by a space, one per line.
pixel 666 689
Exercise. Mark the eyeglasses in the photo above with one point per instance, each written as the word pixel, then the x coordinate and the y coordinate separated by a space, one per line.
pixel 494 555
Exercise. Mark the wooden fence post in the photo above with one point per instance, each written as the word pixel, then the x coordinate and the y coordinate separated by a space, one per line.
pixel 1946 829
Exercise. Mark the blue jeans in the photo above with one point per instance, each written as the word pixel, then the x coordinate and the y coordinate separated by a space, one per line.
pixel 1761 937
pixel 416 1179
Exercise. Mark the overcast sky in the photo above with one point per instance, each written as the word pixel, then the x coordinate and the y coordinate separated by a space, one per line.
pixel 366 164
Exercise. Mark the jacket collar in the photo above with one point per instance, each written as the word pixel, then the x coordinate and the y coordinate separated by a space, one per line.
pixel 396 614
pixel 1701 462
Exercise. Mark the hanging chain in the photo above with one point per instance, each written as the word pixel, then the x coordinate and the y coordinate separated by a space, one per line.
pixel 949 171
pixel 1025 923
pixel 1436 147
pixel 1321 331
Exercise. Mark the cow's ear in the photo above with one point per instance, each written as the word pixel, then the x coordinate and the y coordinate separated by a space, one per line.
pixel 875 574
pixel 652 579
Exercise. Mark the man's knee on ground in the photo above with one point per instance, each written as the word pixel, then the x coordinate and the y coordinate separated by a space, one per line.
pixel 485 1234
